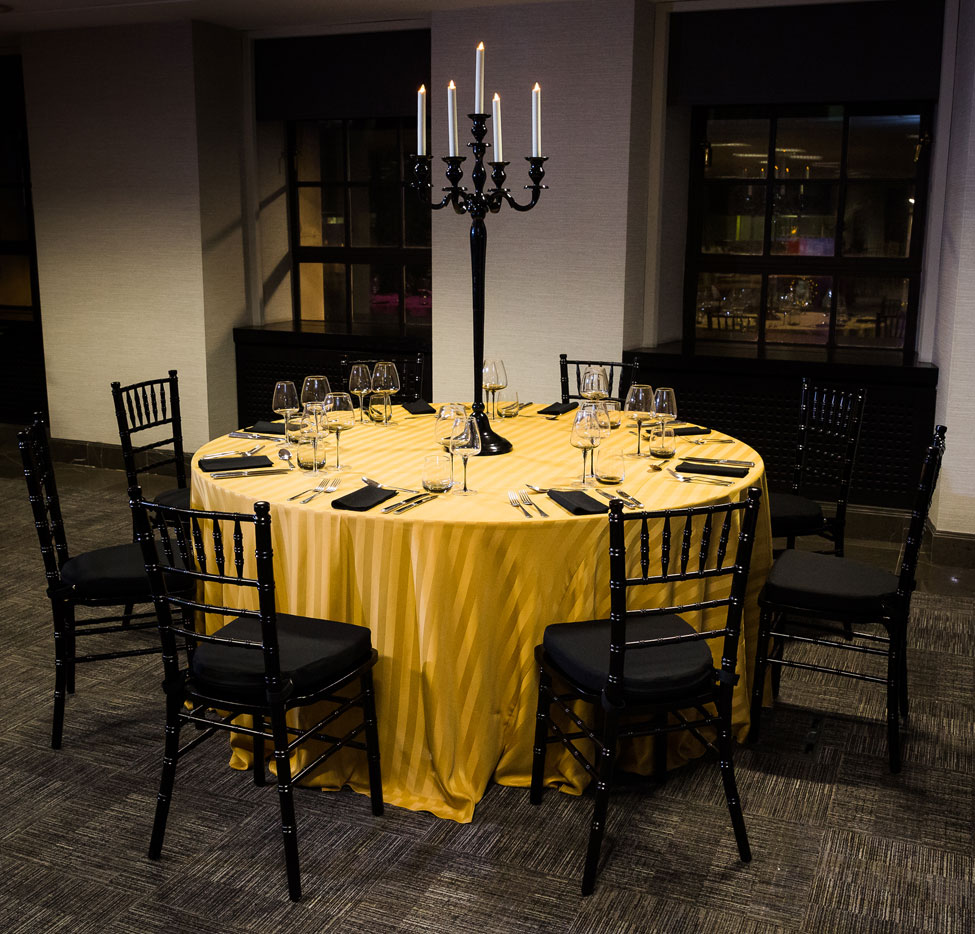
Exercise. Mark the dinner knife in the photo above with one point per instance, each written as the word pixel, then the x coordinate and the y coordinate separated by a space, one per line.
pixel 719 460
pixel 256 472
pixel 256 437
pixel 406 507
pixel 403 502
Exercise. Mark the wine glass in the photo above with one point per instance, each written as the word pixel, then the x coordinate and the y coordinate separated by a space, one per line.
pixel 385 382
pixel 586 435
pixel 450 422
pixel 466 445
pixel 600 412
pixel 339 417
pixel 284 402
pixel 493 378
pixel 665 405
pixel 594 383
pixel 312 426
pixel 315 389
pixel 360 382
pixel 639 407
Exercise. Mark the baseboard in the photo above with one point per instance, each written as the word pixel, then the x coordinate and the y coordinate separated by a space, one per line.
pixel 950 549
pixel 109 456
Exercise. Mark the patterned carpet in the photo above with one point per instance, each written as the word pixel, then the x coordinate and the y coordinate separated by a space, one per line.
pixel 839 844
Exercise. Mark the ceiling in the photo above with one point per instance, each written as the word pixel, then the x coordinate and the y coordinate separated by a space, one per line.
pixel 272 17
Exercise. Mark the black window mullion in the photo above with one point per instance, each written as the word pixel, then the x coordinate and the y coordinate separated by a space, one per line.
pixel 291 201
pixel 770 183
pixel 347 178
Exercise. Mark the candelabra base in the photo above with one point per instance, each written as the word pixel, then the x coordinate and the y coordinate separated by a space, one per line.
pixel 491 443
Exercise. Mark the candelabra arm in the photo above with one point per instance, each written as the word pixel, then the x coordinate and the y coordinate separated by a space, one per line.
pixel 536 172
pixel 453 193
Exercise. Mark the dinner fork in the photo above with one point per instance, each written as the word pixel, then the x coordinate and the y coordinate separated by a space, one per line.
pixel 312 489
pixel 709 440
pixel 330 488
pixel 528 501
pixel 513 499
pixel 713 480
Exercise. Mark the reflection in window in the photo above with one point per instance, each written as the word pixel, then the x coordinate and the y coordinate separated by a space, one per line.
pixel 871 311
pixel 728 306
pixel 798 309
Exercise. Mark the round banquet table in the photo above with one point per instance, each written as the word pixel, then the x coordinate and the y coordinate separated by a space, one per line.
pixel 457 593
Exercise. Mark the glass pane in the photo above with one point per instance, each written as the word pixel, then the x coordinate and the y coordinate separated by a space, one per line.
pixel 877 219
pixel 373 152
pixel 419 297
pixel 727 306
pixel 15 280
pixel 883 146
pixel 734 219
pixel 307 154
pixel 798 309
pixel 871 311
pixel 320 151
pixel 310 216
pixel 376 298
pixel 323 293
pixel 804 219
pixel 333 216
pixel 736 148
pixel 809 147
pixel 13 214
pixel 376 215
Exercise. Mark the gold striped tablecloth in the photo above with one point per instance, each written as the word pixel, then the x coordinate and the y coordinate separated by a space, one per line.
pixel 458 592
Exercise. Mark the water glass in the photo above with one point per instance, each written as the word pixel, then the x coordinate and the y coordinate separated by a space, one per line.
pixel 437 473
pixel 610 468
pixel 662 442
pixel 506 403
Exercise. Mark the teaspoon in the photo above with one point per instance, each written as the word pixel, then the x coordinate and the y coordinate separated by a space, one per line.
pixel 285 455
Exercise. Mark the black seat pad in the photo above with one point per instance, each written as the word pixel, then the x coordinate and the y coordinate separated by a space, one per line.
pixel 581 652
pixel 794 515
pixel 831 585
pixel 116 574
pixel 178 497
pixel 313 654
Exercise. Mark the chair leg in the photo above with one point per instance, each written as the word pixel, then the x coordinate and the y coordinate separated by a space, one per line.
pixel 372 744
pixel 726 764
pixel 778 649
pixel 893 701
pixel 69 648
pixel 260 766
pixel 60 673
pixel 904 706
pixel 604 776
pixel 541 735
pixel 761 665
pixel 289 827
pixel 174 704
pixel 127 615
pixel 660 749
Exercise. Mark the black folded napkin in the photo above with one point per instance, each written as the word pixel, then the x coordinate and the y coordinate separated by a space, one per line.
pixel 234 463
pixel 578 503
pixel 558 408
pixel 714 470
pixel 362 499
pixel 691 430
pixel 267 428
pixel 420 407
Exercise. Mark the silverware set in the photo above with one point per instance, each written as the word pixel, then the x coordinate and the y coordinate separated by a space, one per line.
pixel 405 505
pixel 522 500
pixel 325 485
pixel 628 500
pixel 714 481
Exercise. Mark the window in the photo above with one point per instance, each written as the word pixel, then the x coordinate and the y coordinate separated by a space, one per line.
pixel 804 226
pixel 360 240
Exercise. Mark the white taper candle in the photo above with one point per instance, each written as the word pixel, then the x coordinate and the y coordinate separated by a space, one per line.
pixel 479 79
pixel 536 120
pixel 421 121
pixel 496 114
pixel 451 119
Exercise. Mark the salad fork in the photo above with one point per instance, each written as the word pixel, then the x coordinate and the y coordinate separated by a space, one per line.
pixel 330 488
pixel 513 499
pixel 312 489
pixel 528 501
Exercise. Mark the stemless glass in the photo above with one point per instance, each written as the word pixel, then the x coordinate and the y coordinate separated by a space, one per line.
pixel 639 407
pixel 315 389
pixel 586 435
pixel 449 424
pixel 594 383
pixel 385 382
pixel 467 445
pixel 312 427
pixel 360 382
pixel 284 402
pixel 339 417
pixel 493 378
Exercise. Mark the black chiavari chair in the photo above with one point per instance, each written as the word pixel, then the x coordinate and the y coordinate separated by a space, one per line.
pixel 621 375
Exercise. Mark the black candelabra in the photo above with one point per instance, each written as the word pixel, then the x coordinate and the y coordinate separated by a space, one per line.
pixel 477 204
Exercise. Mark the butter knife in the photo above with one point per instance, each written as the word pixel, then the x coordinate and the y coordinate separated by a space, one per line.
pixel 257 472
pixel 256 437
pixel 406 507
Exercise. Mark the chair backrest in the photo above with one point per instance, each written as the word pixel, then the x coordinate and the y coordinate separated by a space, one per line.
pixel 409 367
pixel 620 374
pixel 151 404
pixel 919 515
pixel 43 493
pixel 829 432
pixel 703 535
pixel 206 547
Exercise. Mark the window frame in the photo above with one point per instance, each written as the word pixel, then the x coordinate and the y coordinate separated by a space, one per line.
pixel 768 264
